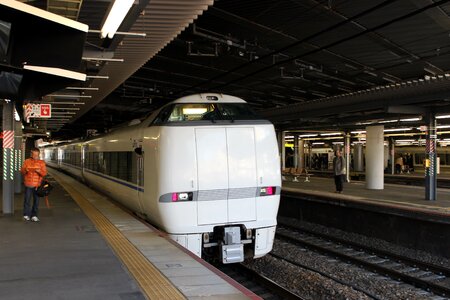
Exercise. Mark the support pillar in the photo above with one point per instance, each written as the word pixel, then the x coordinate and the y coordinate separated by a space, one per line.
pixel 301 154
pixel 358 163
pixel 375 157
pixel 18 157
pixel 296 151
pixel 281 143
pixel 8 157
pixel 430 159
pixel 347 155
pixel 392 155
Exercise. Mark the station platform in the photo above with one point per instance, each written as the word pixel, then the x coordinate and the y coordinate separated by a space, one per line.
pixel 392 196
pixel 86 247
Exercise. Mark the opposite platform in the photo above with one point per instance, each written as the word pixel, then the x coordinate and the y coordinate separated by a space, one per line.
pixel 408 197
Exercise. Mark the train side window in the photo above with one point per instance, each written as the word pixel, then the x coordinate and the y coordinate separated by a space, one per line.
pixel 113 164
pixel 122 166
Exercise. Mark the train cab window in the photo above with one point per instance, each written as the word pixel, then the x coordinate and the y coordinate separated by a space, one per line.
pixel 187 112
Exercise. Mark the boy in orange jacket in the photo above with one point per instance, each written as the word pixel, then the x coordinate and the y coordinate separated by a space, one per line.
pixel 33 171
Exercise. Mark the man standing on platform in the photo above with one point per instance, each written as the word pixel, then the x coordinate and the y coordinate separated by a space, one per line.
pixel 33 171
pixel 339 171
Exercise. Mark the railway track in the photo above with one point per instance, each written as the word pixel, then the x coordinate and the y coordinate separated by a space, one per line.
pixel 429 277
pixel 257 283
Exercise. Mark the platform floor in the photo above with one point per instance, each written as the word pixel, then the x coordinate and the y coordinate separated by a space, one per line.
pixel 392 194
pixel 83 248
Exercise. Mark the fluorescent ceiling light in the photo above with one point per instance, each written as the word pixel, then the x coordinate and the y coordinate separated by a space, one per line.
pixel 307 135
pixel 82 88
pixel 442 126
pixel 331 133
pixel 16 115
pixel 397 129
pixel 410 119
pixel 388 121
pixel 115 17
pixel 443 117
pixel 358 132
pixel 68 96
pixel 318 143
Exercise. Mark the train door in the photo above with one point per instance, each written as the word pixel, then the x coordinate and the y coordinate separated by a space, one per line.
pixel 212 164
pixel 140 180
pixel 242 173
pixel 227 177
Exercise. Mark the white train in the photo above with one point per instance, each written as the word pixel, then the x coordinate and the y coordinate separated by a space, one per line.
pixel 204 168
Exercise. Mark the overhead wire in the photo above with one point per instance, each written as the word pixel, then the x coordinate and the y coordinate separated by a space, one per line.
pixel 299 42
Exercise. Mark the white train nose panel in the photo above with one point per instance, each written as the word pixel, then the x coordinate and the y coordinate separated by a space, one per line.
pixel 226 175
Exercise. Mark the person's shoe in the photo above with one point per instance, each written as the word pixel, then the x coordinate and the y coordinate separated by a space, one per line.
pixel 34 219
pixel 26 218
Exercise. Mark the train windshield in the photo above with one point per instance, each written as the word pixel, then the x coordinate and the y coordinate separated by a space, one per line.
pixel 186 112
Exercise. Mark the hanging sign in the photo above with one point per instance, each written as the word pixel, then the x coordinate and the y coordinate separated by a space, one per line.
pixel 37 110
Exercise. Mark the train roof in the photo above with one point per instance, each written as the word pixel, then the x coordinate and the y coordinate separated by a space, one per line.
pixel 209 97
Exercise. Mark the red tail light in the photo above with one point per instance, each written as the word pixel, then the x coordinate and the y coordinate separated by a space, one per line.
pixel 184 196
pixel 267 191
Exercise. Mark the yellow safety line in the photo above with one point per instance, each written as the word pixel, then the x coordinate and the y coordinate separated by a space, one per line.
pixel 152 282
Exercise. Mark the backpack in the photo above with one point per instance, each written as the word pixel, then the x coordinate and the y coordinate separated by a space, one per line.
pixel 44 189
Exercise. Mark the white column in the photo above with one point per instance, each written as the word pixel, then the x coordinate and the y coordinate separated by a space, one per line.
pixel 347 155
pixel 301 153
pixel 296 151
pixel 358 164
pixel 282 141
pixel 375 157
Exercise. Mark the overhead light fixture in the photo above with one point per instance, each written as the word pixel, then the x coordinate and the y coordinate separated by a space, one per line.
pixel 443 117
pixel 68 96
pixel 410 119
pixel 115 17
pixel 82 88
pixel 358 132
pixel 331 133
pixel 397 129
pixel 66 103
pixel 387 121
pixel 65 108
pixel 96 77
pixel 16 115
pixel 307 135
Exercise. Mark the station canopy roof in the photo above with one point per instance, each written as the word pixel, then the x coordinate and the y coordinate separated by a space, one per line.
pixel 305 65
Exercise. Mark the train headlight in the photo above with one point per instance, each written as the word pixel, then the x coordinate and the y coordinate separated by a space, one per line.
pixel 206 237
pixel 184 196
pixel 267 191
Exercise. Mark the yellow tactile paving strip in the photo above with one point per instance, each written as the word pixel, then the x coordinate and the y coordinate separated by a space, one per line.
pixel 153 284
